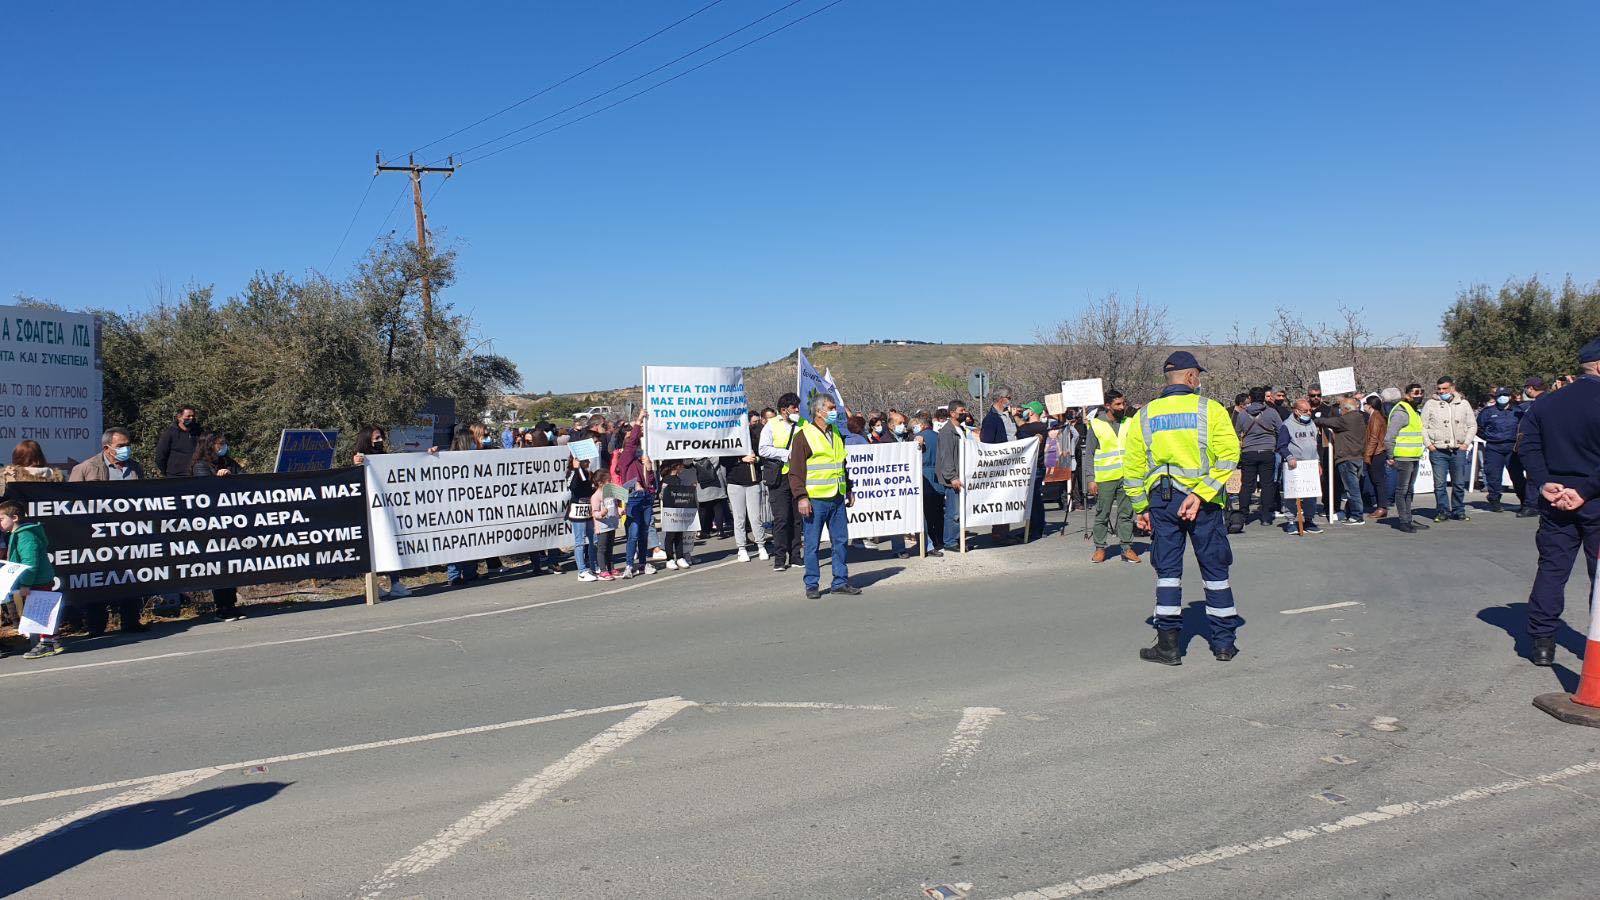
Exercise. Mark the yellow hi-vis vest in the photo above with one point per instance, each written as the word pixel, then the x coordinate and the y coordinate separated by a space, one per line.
pixel 1408 443
pixel 783 430
pixel 1185 437
pixel 825 466
pixel 1108 449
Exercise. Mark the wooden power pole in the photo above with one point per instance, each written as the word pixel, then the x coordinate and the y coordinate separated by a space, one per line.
pixel 422 230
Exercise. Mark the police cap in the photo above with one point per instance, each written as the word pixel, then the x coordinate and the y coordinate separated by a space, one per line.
pixel 1183 359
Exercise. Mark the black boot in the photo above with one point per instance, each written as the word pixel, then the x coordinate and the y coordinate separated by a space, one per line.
pixel 1526 512
pixel 1225 654
pixel 1494 506
pixel 1544 652
pixel 1165 651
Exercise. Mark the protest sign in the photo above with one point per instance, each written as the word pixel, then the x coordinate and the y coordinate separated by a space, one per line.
pixel 1082 392
pixel 997 482
pixel 413 436
pixel 680 507
pixel 1337 381
pixel 886 481
pixel 584 449
pixel 41 614
pixel 1054 406
pixel 305 450
pixel 695 411
pixel 50 381
pixel 454 506
pixel 810 384
pixel 115 539
pixel 1302 481
pixel 9 573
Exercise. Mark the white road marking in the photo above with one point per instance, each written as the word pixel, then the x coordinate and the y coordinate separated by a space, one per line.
pixel 179 654
pixel 1306 609
pixel 158 787
pixel 964 744
pixel 524 794
pixel 1091 883
pixel 332 751
pixel 798 704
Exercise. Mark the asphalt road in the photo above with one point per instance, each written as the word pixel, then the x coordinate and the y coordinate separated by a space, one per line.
pixel 980 721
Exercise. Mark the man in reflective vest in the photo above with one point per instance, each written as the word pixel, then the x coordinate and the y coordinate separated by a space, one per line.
pixel 1405 442
pixel 818 477
pixel 1177 457
pixel 1105 448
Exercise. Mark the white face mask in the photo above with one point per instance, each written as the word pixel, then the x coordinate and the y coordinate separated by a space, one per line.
pixel 793 418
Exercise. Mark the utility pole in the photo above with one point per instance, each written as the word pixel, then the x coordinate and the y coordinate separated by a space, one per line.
pixel 417 172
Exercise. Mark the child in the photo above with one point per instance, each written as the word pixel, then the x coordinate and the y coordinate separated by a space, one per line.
pixel 29 547
pixel 678 503
pixel 607 515
pixel 581 518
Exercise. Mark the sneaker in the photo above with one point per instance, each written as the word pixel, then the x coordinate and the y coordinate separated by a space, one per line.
pixel 847 589
pixel 935 553
pixel 813 594
pixel 628 572
pixel 1355 520
pixel 1313 528
pixel 587 576
pixel 649 569
pixel 684 563
pixel 779 564
pixel 43 649
pixel 761 553
pixel 606 576
pixel 1441 518
pixel 672 564
pixel 1406 527
pixel 744 555
pixel 1461 517
pixel 398 589
pixel 657 555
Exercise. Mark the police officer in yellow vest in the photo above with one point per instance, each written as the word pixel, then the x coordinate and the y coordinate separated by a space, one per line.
pixel 1405 443
pixel 818 477
pixel 1177 457
pixel 1105 449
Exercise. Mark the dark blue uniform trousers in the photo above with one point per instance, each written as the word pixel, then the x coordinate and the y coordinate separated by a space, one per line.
pixel 1498 459
pixel 1561 537
pixel 1209 532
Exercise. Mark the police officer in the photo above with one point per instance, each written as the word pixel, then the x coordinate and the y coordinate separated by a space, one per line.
pixel 1497 425
pixel 1559 441
pixel 1177 458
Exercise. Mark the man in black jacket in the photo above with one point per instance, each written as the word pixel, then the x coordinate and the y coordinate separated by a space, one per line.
pixel 175 447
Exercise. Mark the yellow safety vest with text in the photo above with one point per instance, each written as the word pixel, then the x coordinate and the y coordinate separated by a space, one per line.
pixel 825 466
pixel 1108 449
pixel 789 428
pixel 1186 438
pixel 1408 443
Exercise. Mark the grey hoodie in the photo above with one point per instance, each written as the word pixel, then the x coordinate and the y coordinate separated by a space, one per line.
pixel 1258 428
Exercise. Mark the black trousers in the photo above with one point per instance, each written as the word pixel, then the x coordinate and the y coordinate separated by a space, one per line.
pixel 96 616
pixel 786 531
pixel 932 514
pixel 1258 466
pixel 226 599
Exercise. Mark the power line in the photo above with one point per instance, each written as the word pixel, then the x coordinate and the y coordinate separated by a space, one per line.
pixel 613 89
pixel 547 89
pixel 652 87
pixel 346 235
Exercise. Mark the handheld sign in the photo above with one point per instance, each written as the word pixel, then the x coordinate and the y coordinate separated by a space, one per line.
pixel 305 450
pixel 1083 392
pixel 1337 381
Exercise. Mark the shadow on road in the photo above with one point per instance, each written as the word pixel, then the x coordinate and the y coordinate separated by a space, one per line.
pixel 137 827
pixel 1512 618
pixel 1195 626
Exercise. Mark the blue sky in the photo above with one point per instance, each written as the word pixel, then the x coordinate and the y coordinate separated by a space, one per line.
pixel 955 171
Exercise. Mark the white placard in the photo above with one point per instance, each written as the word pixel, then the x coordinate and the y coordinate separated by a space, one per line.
pixel 1337 381
pixel 50 381
pixel 886 481
pixel 695 411
pixel 41 614
pixel 9 573
pixel 432 509
pixel 1083 392
pixel 1304 480
pixel 997 482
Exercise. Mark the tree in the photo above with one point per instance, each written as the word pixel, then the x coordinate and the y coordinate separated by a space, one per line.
pixel 1524 328
pixel 1121 342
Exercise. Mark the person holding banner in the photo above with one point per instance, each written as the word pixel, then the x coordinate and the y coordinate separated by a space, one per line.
pixel 1177 459
pixel 1298 441
pixel 819 477
pixel 212 460
pixel 1106 433
pixel 999 428
pixel 28 546
pixel 774 446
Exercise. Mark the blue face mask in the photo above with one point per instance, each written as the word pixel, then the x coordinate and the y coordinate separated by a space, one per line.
pixel 223 450
pixel 1502 400
pixel 833 417
pixel 123 453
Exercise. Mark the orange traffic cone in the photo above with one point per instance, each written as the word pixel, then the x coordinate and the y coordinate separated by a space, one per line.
pixel 1583 706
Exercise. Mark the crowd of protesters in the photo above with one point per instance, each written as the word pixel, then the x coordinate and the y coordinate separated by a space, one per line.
pixel 618 495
